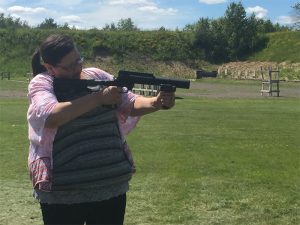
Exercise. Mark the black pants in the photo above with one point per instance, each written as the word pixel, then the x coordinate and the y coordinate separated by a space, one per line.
pixel 107 212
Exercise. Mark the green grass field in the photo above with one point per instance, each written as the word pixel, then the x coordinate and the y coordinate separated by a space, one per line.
pixel 282 47
pixel 208 161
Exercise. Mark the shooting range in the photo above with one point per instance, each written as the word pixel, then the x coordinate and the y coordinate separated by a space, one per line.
pixel 226 154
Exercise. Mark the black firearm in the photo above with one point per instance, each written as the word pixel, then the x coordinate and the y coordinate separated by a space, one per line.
pixel 125 79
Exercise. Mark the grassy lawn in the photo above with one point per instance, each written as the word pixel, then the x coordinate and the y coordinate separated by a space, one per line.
pixel 208 161
pixel 278 48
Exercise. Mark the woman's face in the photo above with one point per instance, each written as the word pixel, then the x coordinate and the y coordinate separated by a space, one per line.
pixel 70 66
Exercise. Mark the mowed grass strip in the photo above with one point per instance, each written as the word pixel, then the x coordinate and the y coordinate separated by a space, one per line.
pixel 207 161
pixel 217 162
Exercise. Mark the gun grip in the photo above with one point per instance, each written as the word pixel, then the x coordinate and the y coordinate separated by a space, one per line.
pixel 167 88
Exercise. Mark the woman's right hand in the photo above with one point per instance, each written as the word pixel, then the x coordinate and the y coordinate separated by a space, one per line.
pixel 64 112
pixel 111 95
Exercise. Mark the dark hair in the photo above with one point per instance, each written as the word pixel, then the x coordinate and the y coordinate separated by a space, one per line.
pixel 51 51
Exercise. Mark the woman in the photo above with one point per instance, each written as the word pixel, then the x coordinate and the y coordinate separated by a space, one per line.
pixel 79 162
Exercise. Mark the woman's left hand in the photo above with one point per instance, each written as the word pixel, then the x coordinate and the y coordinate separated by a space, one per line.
pixel 166 100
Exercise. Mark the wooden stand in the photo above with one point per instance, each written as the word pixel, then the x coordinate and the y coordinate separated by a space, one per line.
pixel 146 90
pixel 270 82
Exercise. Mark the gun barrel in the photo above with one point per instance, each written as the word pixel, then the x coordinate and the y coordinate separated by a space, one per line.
pixel 147 78
pixel 174 82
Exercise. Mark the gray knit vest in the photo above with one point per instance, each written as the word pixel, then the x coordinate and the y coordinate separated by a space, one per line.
pixel 88 153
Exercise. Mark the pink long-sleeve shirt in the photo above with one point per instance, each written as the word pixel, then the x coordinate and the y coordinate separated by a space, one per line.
pixel 42 101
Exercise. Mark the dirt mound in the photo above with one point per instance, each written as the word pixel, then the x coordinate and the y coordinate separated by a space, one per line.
pixel 255 70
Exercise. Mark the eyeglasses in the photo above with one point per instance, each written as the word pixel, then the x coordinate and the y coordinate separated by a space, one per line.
pixel 72 65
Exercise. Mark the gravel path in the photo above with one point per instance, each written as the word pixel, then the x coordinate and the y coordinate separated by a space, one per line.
pixel 251 90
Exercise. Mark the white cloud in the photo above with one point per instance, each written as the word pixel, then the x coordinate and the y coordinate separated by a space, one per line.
pixel 143 17
pixel 146 14
pixel 70 2
pixel 211 2
pixel 143 5
pixel 21 9
pixel 156 10
pixel 71 19
pixel 130 2
pixel 287 20
pixel 258 11
pixel 2 10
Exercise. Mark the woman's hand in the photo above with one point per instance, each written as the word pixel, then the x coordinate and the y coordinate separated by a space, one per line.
pixel 145 105
pixel 165 100
pixel 111 95
pixel 64 112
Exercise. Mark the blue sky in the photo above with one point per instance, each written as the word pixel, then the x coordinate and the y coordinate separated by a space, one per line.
pixel 146 14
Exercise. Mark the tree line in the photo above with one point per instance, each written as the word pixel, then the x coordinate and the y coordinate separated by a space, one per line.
pixel 229 38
